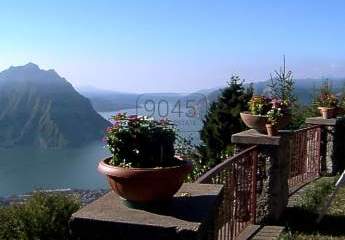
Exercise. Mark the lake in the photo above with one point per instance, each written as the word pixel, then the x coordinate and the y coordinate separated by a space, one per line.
pixel 25 169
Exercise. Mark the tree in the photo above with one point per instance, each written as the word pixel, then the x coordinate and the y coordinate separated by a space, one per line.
pixel 223 120
pixel 282 87
pixel 282 84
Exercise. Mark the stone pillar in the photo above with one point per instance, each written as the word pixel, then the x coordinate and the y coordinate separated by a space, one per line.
pixel 273 171
pixel 332 143
pixel 189 215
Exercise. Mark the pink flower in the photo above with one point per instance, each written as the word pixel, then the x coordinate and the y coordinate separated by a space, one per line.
pixel 133 117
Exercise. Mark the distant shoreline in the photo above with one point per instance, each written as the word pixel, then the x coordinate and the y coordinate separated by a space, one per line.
pixel 84 195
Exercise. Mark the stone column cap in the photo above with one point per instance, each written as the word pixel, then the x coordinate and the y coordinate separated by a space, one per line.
pixel 184 217
pixel 252 137
pixel 322 121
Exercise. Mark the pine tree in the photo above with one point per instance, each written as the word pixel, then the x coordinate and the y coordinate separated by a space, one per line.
pixel 282 84
pixel 223 120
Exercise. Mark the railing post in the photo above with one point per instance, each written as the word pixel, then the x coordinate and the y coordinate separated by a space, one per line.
pixel 272 172
pixel 254 185
pixel 332 143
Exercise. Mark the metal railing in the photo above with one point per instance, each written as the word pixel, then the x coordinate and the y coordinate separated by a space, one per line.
pixel 238 207
pixel 305 162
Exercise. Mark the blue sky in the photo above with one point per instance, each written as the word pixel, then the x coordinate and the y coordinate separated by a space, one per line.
pixel 167 45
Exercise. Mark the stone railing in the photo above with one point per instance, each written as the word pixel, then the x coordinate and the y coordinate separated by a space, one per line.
pixel 238 207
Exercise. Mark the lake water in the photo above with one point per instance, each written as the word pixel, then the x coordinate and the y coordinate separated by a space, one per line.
pixel 25 169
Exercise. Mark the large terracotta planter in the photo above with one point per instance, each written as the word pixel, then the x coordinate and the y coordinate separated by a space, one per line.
pixel 256 122
pixel 327 112
pixel 145 184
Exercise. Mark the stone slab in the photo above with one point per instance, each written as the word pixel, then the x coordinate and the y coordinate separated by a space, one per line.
pixel 321 121
pixel 269 233
pixel 252 137
pixel 186 216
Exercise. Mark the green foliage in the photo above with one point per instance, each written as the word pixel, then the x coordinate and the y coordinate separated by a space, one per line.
pixel 141 142
pixel 299 114
pixel 223 120
pixel 44 216
pixel 313 198
pixel 187 150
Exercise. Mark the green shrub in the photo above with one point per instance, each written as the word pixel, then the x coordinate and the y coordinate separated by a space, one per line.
pixel 44 216
pixel 313 198
pixel 222 120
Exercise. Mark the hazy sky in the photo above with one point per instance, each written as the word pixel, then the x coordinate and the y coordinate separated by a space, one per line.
pixel 173 45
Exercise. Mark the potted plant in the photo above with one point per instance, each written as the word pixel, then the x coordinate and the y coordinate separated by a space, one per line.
pixel 256 117
pixel 327 102
pixel 284 107
pixel 274 116
pixel 143 166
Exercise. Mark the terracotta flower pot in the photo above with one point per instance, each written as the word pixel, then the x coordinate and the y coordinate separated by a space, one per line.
pixel 327 112
pixel 271 130
pixel 145 184
pixel 256 122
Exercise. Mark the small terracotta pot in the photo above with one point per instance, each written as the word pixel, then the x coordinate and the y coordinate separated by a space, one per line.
pixel 271 130
pixel 256 122
pixel 145 184
pixel 327 112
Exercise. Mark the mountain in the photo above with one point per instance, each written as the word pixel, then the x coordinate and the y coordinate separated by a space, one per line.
pixel 304 88
pixel 39 108
pixel 111 101
pixel 108 101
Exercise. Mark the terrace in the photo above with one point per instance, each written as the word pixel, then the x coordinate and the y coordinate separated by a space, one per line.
pixel 251 195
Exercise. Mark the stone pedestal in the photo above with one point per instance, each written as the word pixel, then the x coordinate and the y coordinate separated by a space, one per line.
pixel 332 143
pixel 189 215
pixel 273 171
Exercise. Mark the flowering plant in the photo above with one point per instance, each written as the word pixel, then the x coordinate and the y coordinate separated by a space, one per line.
pixel 326 97
pixel 327 100
pixel 283 105
pixel 259 105
pixel 138 141
pixel 274 115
